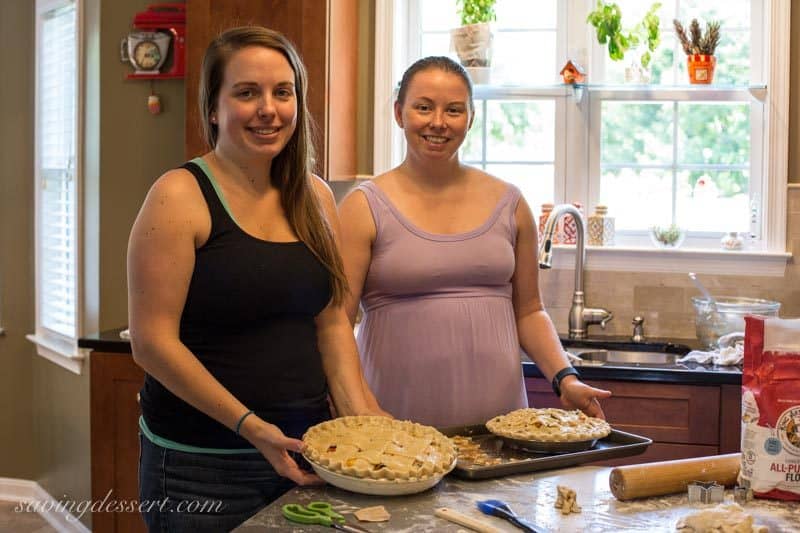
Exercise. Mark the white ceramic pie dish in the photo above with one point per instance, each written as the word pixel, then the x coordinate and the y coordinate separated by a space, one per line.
pixel 379 487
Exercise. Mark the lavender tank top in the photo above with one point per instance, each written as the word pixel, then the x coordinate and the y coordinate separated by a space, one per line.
pixel 438 341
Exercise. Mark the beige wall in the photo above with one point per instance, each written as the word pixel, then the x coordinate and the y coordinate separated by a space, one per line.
pixel 794 103
pixel 44 409
pixel 17 456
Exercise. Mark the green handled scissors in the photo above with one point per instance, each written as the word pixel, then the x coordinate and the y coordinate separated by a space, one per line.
pixel 321 513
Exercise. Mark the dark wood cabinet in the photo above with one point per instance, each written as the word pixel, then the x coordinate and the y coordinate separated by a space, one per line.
pixel 683 420
pixel 115 384
pixel 325 33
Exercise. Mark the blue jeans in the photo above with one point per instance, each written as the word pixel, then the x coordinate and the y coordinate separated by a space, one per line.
pixel 199 492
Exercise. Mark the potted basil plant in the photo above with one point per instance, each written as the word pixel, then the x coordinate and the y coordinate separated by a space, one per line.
pixel 472 41
pixel 607 22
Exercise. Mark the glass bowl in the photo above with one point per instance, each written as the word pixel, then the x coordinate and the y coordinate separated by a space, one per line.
pixel 667 236
pixel 729 316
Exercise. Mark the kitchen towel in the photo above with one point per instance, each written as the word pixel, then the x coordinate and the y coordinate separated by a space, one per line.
pixel 728 356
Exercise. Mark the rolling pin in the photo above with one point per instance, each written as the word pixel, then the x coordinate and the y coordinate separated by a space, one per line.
pixel 669 477
pixel 463 520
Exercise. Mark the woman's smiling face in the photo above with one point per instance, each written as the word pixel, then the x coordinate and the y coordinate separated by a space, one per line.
pixel 256 113
pixel 435 114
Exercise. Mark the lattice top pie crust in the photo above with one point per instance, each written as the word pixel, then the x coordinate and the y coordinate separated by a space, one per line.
pixel 548 425
pixel 376 447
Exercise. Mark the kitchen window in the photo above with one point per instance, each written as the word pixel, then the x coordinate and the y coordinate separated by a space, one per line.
pixel 57 182
pixel 711 158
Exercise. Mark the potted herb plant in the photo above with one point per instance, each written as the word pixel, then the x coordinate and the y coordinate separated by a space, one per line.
pixel 667 237
pixel 472 41
pixel 699 47
pixel 607 22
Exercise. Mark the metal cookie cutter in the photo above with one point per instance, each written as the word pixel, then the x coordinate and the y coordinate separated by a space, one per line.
pixel 742 493
pixel 706 492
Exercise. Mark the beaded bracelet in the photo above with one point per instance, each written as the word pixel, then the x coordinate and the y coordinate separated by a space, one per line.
pixel 239 423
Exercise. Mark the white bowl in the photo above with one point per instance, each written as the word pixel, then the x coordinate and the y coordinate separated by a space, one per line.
pixel 379 487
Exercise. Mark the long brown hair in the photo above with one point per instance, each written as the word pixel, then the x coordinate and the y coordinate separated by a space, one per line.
pixel 291 170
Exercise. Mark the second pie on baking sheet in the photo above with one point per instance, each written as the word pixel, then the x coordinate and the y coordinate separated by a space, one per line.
pixel 376 447
pixel 548 425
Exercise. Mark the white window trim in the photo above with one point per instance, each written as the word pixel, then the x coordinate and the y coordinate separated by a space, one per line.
pixel 57 348
pixel 391 49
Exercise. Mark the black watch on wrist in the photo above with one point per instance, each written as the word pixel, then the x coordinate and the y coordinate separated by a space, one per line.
pixel 561 374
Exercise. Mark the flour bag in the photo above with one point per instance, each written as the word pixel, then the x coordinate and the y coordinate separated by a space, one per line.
pixel 771 408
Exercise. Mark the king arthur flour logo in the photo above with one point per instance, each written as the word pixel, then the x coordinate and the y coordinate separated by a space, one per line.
pixel 788 429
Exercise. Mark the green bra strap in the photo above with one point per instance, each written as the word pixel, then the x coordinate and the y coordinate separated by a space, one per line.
pixel 200 162
pixel 172 445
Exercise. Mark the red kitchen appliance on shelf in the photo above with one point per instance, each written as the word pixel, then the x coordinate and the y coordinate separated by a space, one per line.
pixel 159 29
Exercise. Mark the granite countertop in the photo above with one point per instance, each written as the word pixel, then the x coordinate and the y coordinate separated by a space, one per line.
pixel 683 373
pixel 106 341
pixel 688 374
pixel 530 495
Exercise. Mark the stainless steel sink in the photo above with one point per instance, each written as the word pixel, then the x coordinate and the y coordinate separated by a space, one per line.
pixel 601 357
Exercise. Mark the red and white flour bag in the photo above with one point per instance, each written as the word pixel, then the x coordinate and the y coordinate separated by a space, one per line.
pixel 771 408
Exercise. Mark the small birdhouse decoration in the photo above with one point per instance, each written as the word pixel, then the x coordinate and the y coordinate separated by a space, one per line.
pixel 573 72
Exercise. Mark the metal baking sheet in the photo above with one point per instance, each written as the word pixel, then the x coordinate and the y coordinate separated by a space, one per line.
pixel 549 447
pixel 515 461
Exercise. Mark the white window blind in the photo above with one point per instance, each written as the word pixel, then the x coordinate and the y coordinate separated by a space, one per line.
pixel 56 187
pixel 57 177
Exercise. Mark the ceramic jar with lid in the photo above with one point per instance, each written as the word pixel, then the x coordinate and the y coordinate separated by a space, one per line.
pixel 600 227
pixel 570 229
pixel 547 208
pixel 732 241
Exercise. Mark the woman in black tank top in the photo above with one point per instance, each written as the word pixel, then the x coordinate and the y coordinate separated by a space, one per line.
pixel 235 299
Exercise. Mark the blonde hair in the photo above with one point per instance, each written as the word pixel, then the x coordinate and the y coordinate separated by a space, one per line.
pixel 291 171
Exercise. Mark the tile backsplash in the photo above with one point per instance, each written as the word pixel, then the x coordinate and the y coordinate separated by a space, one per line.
pixel 664 300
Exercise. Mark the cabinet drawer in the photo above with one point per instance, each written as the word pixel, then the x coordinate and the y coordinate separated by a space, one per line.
pixel 666 413
pixel 661 451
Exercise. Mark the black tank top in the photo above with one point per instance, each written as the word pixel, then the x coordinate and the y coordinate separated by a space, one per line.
pixel 249 319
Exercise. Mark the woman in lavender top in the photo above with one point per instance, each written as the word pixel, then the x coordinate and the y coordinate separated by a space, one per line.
pixel 442 257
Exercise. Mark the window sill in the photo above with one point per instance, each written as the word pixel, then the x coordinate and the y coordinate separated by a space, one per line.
pixel 63 354
pixel 682 260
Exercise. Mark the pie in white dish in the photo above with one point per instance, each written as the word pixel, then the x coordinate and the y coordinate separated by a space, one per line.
pixel 379 448
pixel 548 425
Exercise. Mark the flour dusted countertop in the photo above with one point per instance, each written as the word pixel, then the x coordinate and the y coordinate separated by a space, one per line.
pixel 532 496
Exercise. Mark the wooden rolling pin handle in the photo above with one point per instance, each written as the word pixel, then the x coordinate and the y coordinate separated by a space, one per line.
pixel 464 520
pixel 670 477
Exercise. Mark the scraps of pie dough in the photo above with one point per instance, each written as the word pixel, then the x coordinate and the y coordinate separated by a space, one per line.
pixel 377 513
pixel 567 500
pixel 724 518
pixel 470 452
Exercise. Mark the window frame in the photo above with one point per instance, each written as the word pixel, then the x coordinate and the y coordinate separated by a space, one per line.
pixel 54 346
pixel 392 50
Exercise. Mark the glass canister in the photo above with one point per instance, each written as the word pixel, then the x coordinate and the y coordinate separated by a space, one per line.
pixel 570 229
pixel 600 227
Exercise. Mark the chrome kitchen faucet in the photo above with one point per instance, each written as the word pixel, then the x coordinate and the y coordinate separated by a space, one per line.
pixel 580 316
